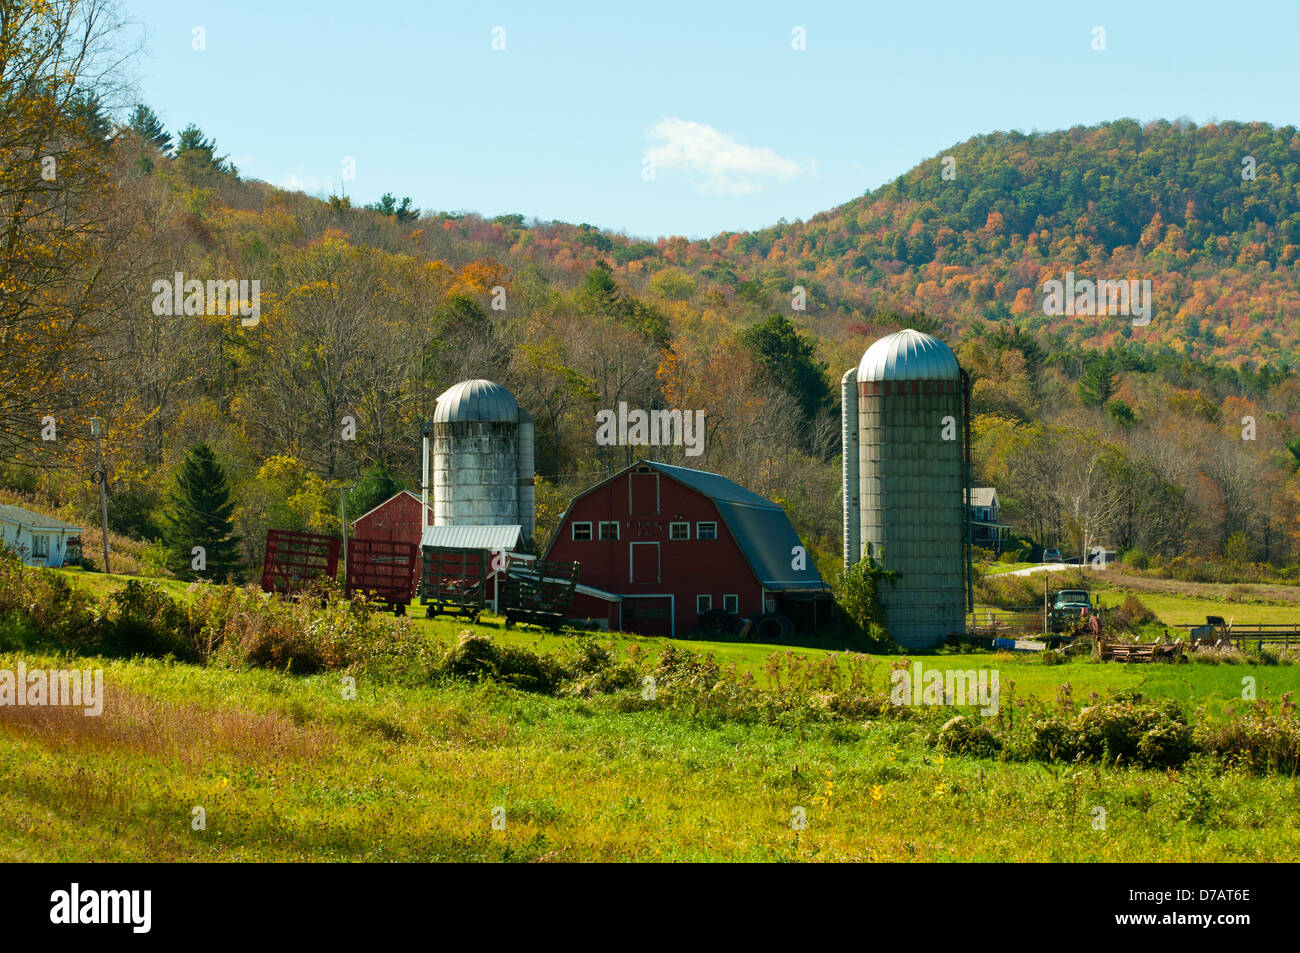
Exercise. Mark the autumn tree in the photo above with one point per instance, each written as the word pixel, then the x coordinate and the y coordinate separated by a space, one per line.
pixel 54 194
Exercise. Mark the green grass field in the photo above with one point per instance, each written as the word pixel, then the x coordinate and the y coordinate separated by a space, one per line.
pixel 285 767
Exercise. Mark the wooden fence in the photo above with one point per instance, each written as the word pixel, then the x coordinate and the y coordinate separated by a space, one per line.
pixel 1242 635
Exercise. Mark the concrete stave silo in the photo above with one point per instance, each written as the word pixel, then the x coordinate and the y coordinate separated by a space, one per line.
pixel 482 458
pixel 906 398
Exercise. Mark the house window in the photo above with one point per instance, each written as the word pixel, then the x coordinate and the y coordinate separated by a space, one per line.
pixel 40 547
pixel 609 529
pixel 731 603
pixel 679 530
pixel 706 530
pixel 703 604
pixel 581 531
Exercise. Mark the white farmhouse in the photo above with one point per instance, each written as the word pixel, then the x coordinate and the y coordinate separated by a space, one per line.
pixel 39 540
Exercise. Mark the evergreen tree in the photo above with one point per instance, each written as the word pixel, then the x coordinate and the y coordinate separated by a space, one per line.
pixel 375 486
pixel 790 361
pixel 196 151
pixel 88 111
pixel 388 205
pixel 199 515
pixel 600 292
pixel 144 122
pixel 1098 383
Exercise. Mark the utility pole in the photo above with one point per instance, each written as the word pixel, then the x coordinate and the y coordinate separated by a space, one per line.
pixel 101 477
pixel 343 495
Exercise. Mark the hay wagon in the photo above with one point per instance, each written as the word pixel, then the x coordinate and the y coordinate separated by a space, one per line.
pixel 383 570
pixel 538 593
pixel 455 581
pixel 294 560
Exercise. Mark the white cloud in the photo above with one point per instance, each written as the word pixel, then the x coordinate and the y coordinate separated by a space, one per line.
pixel 294 182
pixel 719 164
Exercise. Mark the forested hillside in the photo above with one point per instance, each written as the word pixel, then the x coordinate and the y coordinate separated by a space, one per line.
pixel 1176 437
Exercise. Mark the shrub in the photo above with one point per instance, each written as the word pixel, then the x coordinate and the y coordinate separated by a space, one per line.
pixel 1132 613
pixel 1009 592
pixel 1123 728
pixel 961 736
pixel 141 619
pixel 1135 559
pixel 42 610
pixel 1261 739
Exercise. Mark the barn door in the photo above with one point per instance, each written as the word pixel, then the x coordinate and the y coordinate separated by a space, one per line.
pixel 643 493
pixel 643 560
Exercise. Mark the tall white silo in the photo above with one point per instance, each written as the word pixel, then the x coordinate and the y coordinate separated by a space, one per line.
pixel 910 506
pixel 482 458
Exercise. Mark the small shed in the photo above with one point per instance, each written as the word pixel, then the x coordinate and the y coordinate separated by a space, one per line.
pixel 39 540
pixel 396 520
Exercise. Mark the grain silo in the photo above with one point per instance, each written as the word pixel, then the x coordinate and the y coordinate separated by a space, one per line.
pixel 905 475
pixel 482 458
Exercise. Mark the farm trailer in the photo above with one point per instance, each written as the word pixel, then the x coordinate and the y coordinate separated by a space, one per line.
pixel 383 570
pixel 293 560
pixel 455 581
pixel 539 592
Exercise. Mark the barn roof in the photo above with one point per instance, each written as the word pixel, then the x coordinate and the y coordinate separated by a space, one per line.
pixel 16 514
pixel 760 527
pixel 377 508
pixel 494 538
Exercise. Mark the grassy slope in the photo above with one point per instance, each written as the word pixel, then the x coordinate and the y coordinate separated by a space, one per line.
pixel 287 769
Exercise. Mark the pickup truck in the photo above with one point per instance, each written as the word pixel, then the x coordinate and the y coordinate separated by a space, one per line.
pixel 1072 599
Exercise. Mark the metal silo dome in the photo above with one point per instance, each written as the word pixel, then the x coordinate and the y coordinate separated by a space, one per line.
pixel 909 356
pixel 476 400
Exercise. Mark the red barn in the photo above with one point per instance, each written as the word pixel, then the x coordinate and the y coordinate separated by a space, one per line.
pixel 662 547
pixel 397 519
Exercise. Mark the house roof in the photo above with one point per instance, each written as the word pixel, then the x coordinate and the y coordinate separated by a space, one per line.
pixel 16 514
pixel 983 495
pixel 386 502
pixel 494 538
pixel 760 527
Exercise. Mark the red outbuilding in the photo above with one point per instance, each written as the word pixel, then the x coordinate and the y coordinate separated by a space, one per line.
pixel 396 520
pixel 666 550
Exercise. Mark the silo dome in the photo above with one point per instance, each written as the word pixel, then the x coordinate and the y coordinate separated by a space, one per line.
pixel 482 458
pixel 904 482
pixel 476 400
pixel 909 356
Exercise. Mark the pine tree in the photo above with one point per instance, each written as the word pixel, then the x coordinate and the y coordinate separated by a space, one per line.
pixel 199 515
pixel 195 150
pixel 144 122
pixel 1098 383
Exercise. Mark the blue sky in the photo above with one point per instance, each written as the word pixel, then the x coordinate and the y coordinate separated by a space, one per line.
pixel 742 129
